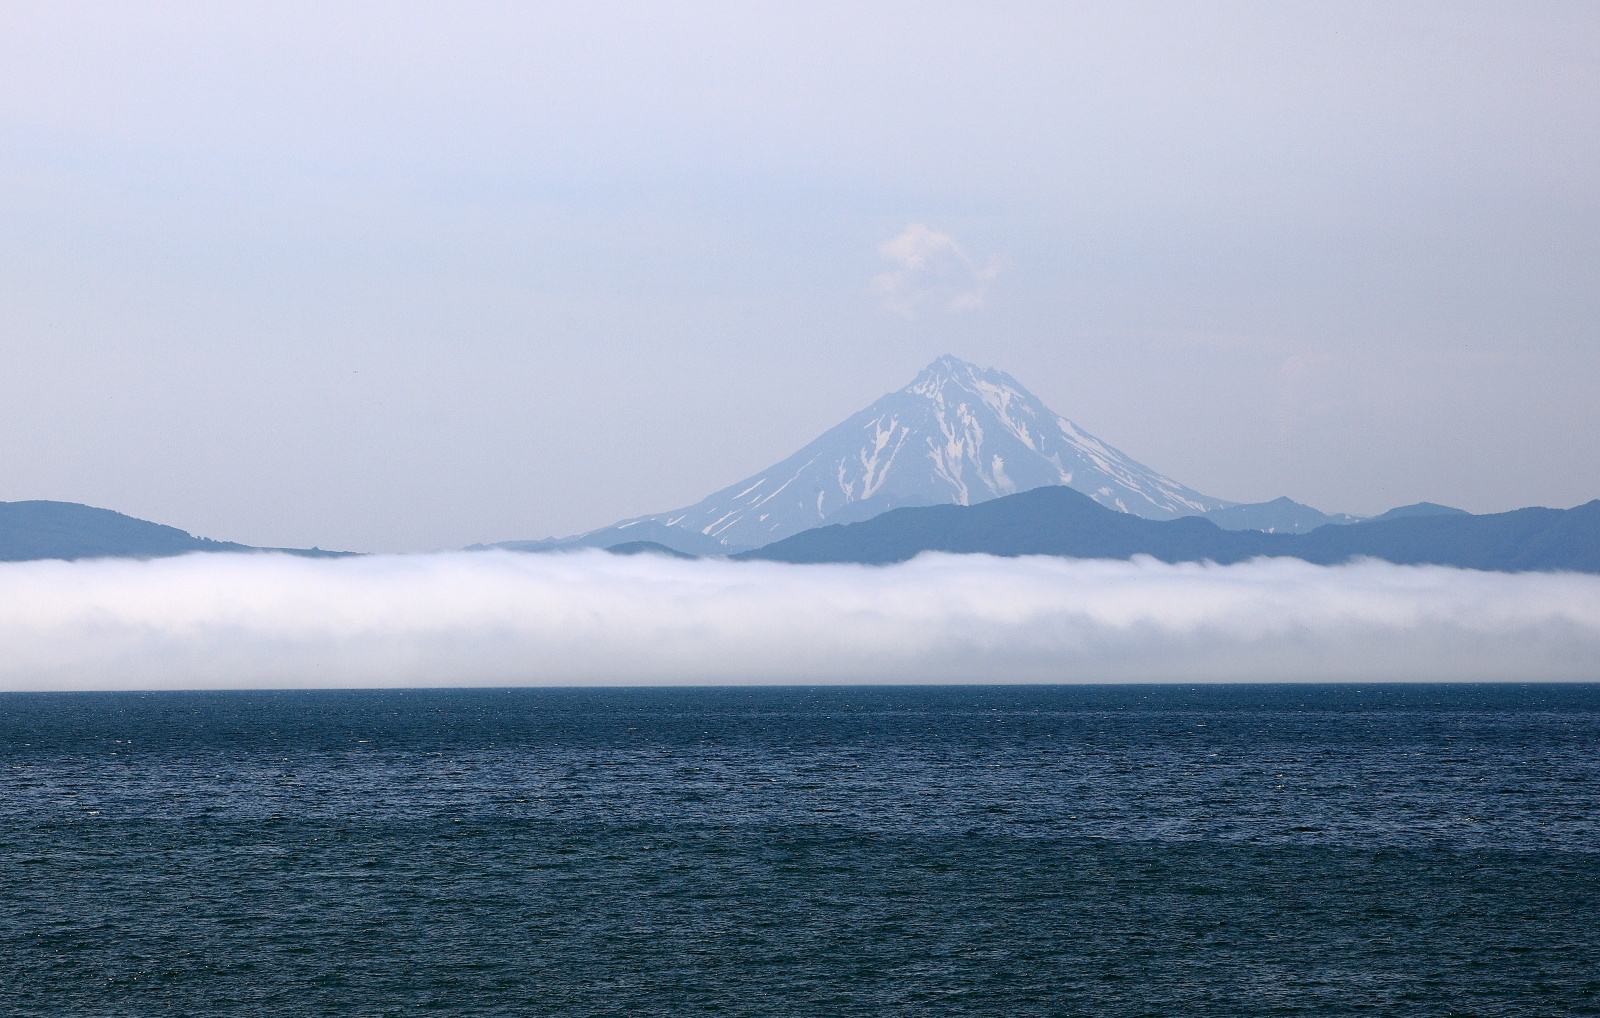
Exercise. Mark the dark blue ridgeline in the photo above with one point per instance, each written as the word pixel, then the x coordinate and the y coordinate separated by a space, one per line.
pixel 1244 850
pixel 67 530
pixel 1056 520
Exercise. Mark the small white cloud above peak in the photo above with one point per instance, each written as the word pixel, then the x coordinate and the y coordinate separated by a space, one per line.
pixel 932 272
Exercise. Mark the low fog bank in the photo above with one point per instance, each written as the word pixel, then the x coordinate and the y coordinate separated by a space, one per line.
pixel 497 618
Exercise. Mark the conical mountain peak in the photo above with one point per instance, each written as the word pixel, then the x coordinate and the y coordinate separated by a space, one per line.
pixel 949 369
pixel 957 433
pixel 950 366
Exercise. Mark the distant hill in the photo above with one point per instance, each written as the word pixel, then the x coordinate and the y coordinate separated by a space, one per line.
pixel 1060 521
pixel 1286 516
pixel 1280 516
pixel 67 530
pixel 647 548
pixel 638 532
pixel 1420 509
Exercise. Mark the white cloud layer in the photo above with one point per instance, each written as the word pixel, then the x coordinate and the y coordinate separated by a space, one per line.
pixel 933 272
pixel 594 618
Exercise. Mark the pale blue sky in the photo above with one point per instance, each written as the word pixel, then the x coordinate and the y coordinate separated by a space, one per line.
pixel 401 276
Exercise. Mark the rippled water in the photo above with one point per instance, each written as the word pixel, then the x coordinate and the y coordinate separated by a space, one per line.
pixel 1416 850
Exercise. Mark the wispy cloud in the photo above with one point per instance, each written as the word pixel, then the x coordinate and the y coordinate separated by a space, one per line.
pixel 932 272
pixel 593 618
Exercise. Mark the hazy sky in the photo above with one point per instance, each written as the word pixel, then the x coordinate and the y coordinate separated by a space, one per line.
pixel 400 276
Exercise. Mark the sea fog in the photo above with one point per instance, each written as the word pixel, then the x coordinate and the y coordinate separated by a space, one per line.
pixel 593 618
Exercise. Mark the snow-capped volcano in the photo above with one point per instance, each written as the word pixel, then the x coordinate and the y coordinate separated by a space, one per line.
pixel 958 433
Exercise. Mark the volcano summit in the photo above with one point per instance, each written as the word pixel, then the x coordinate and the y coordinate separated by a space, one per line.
pixel 957 434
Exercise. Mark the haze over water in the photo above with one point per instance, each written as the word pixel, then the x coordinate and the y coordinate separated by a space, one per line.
pixel 1212 850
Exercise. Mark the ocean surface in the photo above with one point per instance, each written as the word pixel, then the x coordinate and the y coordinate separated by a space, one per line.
pixel 1097 851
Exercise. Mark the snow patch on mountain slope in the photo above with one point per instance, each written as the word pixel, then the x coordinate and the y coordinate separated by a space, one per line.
pixel 958 434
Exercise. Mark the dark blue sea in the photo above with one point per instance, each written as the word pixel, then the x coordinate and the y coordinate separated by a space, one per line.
pixel 1097 851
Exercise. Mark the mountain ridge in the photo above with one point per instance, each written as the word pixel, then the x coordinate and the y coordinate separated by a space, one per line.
pixel 1062 522
pixel 38 529
pixel 1280 516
